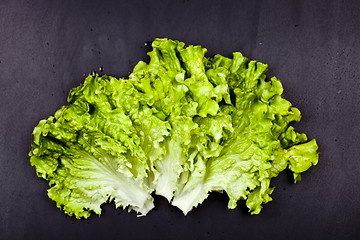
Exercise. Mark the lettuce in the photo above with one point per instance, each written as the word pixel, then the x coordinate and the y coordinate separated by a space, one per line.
pixel 180 126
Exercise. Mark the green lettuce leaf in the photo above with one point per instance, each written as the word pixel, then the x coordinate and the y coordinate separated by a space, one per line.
pixel 253 153
pixel 90 153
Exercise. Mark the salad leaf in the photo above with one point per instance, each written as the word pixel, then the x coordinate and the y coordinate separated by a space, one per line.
pixel 180 126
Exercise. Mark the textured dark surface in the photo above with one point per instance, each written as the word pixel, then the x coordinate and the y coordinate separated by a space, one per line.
pixel 312 46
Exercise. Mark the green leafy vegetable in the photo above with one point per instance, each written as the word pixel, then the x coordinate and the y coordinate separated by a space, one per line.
pixel 181 126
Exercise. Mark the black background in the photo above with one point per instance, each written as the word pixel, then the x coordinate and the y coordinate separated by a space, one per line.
pixel 312 46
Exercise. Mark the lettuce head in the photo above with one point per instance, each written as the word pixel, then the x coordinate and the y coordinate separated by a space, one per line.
pixel 180 126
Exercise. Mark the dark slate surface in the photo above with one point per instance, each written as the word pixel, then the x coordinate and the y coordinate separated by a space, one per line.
pixel 312 46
